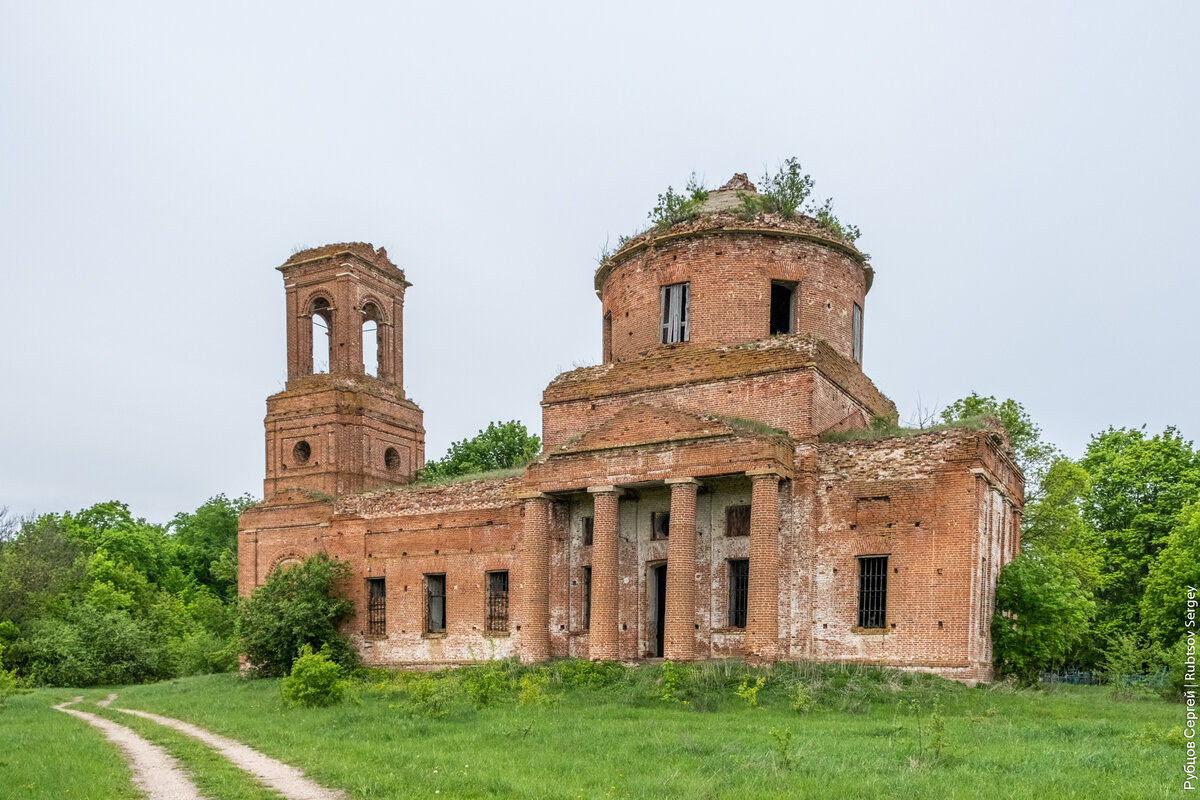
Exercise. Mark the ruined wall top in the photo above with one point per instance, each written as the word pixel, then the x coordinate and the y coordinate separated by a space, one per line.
pixel 365 251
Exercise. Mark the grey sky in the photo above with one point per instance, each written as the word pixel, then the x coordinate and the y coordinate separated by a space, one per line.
pixel 1026 182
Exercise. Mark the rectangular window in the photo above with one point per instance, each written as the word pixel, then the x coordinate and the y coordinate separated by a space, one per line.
pixel 435 603
pixel 857 333
pixel 781 307
pixel 872 592
pixel 376 607
pixel 737 520
pixel 588 530
pixel 587 598
pixel 660 524
pixel 739 581
pixel 674 317
pixel 497 601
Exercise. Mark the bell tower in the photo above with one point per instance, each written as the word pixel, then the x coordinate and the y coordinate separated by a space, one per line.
pixel 342 423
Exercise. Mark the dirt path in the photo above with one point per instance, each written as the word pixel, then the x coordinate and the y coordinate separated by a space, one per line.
pixel 288 781
pixel 154 771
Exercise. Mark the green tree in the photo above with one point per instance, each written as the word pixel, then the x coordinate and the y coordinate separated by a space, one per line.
pixel 1042 615
pixel 294 607
pixel 1054 522
pixel 1033 455
pixel 39 565
pixel 500 446
pixel 1175 569
pixel 1139 485
pixel 208 536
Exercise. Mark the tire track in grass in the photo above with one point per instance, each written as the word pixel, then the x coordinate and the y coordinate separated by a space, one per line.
pixel 214 775
pixel 155 772
pixel 287 780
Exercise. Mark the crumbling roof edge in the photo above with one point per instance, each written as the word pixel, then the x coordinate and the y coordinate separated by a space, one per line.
pixel 648 239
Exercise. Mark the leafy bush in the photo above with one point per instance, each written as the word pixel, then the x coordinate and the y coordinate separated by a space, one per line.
pixel 296 607
pixel 748 690
pixel 672 680
pixel 8 679
pixel 315 680
pixel 801 699
pixel 786 193
pixel 531 688
pixel 672 208
pixel 429 698
pixel 781 739
pixel 91 646
pixel 579 672
pixel 484 685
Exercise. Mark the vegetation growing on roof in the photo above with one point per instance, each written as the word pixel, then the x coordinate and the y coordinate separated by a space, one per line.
pixel 672 208
pixel 886 427
pixel 784 193
pixel 753 426
pixel 787 193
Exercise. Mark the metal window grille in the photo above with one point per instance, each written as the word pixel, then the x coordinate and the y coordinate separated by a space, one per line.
pixel 376 607
pixel 674 321
pixel 737 521
pixel 497 601
pixel 588 530
pixel 739 581
pixel 587 598
pixel 872 592
pixel 660 524
pixel 435 603
pixel 858 333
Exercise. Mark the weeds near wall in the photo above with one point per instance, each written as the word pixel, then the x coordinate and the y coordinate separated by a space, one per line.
pixel 748 690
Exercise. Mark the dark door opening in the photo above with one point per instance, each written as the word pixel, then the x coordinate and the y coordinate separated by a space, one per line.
pixel 781 308
pixel 658 608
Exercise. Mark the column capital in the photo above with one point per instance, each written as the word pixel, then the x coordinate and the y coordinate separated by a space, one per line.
pixel 763 474
pixel 681 481
pixel 534 496
pixel 606 490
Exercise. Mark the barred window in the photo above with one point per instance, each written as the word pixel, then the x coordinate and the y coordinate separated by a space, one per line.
pixel 739 580
pixel 497 601
pixel 587 598
pixel 872 591
pixel 737 520
pixel 588 529
pixel 376 607
pixel 660 524
pixel 674 318
pixel 435 603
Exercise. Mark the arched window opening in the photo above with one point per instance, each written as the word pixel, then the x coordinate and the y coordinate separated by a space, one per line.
pixel 322 337
pixel 370 340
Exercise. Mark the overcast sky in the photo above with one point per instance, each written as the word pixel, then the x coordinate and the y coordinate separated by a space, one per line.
pixel 1027 182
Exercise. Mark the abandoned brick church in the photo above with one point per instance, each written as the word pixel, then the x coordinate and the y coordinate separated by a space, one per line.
pixel 686 503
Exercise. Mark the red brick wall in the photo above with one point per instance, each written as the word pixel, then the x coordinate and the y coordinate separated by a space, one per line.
pixel 730 278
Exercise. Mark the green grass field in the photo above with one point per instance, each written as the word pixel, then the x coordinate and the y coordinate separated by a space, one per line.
pixel 576 739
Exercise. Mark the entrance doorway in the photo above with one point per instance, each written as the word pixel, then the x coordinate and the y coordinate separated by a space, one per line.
pixel 656 608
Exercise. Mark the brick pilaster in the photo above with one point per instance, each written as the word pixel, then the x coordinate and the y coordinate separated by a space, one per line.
pixel 679 636
pixel 762 602
pixel 604 627
pixel 535 581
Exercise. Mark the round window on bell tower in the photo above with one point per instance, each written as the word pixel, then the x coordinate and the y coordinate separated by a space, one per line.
pixel 301 452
